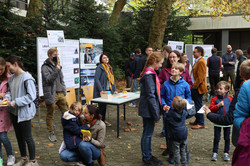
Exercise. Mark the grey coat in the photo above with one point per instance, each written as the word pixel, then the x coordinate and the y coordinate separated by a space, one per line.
pixel 101 81
pixel 49 74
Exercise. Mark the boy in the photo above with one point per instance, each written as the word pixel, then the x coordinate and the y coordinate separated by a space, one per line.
pixel 177 128
pixel 220 105
pixel 175 86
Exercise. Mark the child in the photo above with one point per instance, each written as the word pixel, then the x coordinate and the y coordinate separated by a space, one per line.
pixel 220 104
pixel 5 122
pixel 72 126
pixel 150 106
pixel 22 108
pixel 177 130
pixel 175 86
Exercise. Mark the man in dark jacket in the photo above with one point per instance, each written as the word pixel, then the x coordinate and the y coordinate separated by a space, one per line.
pixel 54 89
pixel 241 58
pixel 129 69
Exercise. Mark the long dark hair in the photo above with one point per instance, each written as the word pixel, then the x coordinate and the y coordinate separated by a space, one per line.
pixel 13 58
pixel 168 64
pixel 4 76
pixel 93 110
pixel 100 59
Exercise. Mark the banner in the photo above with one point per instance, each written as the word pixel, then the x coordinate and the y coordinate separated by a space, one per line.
pixel 176 45
pixel 56 38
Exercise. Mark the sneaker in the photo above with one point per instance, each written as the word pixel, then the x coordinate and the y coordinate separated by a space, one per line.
pixel 165 152
pixel 22 162
pixel 132 105
pixel 226 157
pixel 171 158
pixel 52 136
pixel 107 123
pixel 150 162
pixel 156 160
pixel 31 164
pixel 214 157
pixel 11 160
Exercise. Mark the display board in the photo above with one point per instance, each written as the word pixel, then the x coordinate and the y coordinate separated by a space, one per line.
pixel 69 60
pixel 176 45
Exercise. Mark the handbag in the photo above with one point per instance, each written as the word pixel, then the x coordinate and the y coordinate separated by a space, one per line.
pixel 102 159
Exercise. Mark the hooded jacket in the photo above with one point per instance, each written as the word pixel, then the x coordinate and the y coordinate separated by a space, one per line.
pixel 72 130
pixel 220 110
pixel 176 123
pixel 49 74
pixel 170 89
pixel 149 106
pixel 25 97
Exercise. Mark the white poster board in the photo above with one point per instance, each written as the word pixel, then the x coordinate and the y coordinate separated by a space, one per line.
pixel 56 38
pixel 69 60
pixel 176 45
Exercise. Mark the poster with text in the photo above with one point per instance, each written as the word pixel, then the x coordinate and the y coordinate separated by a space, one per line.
pixel 56 38
pixel 90 51
pixel 176 45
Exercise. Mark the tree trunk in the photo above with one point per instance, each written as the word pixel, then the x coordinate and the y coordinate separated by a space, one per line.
pixel 34 8
pixel 159 23
pixel 116 12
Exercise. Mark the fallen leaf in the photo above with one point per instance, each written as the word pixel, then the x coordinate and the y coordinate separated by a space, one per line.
pixel 113 130
pixel 127 130
pixel 121 115
pixel 50 144
pixel 198 159
pixel 129 123
pixel 206 127
pixel 38 157
pixel 139 124
pixel 163 146
pixel 133 129
pixel 32 125
pixel 129 147
pixel 41 120
pixel 189 134
pixel 16 152
pixel 120 137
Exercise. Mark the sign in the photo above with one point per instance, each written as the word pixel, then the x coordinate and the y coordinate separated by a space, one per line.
pixel 176 45
pixel 56 38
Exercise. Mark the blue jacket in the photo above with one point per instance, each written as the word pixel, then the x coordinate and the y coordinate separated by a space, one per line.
pixel 25 97
pixel 101 81
pixel 176 123
pixel 72 130
pixel 149 106
pixel 170 89
pixel 242 109
pixel 220 110
pixel 226 58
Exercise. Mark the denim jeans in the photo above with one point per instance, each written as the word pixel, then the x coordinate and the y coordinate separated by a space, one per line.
pixel 148 129
pixel 179 149
pixel 6 142
pixel 135 87
pixel 86 153
pixel 217 131
pixel 197 98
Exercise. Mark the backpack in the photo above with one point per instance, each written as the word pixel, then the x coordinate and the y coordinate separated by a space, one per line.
pixel 37 99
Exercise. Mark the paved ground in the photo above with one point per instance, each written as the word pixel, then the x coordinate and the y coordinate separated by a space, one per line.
pixel 124 151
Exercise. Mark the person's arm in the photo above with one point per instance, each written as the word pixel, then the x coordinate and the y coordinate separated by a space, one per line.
pixel 188 94
pixel 163 95
pixel 72 127
pixel 213 106
pixel 224 60
pixel 189 79
pixel 48 76
pixel 98 142
pixel 97 77
pixel 202 69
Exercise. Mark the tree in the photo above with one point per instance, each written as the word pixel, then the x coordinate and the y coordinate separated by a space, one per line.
pixel 34 8
pixel 115 15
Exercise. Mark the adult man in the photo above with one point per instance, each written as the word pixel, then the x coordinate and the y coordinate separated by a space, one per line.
pixel 214 65
pixel 228 61
pixel 241 58
pixel 129 69
pixel 200 85
pixel 54 89
pixel 139 65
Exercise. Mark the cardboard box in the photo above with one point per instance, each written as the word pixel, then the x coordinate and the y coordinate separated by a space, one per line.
pixel 106 95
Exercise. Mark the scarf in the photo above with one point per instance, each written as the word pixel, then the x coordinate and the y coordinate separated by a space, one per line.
pixel 109 73
pixel 149 70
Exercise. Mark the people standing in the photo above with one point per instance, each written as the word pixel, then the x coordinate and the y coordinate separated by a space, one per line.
pixel 199 88
pixel 54 89
pixel 184 60
pixel 150 106
pixel 239 79
pixel 20 97
pixel 104 81
pixel 5 122
pixel 228 61
pixel 129 69
pixel 214 65
pixel 166 50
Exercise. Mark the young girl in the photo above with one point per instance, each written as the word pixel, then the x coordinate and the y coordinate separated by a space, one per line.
pixel 150 105
pixel 20 97
pixel 5 122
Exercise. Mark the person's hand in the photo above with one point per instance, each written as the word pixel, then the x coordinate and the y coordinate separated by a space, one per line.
pixel 206 109
pixel 2 95
pixel 156 122
pixel 115 92
pixel 185 101
pixel 220 104
pixel 231 63
pixel 101 93
pixel 58 66
pixel 86 138
pixel 11 104
pixel 166 108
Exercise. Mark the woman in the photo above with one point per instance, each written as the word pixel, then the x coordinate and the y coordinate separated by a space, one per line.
pixel 22 108
pixel 104 81
pixel 5 122
pixel 90 148
pixel 184 60
pixel 165 73
pixel 150 107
